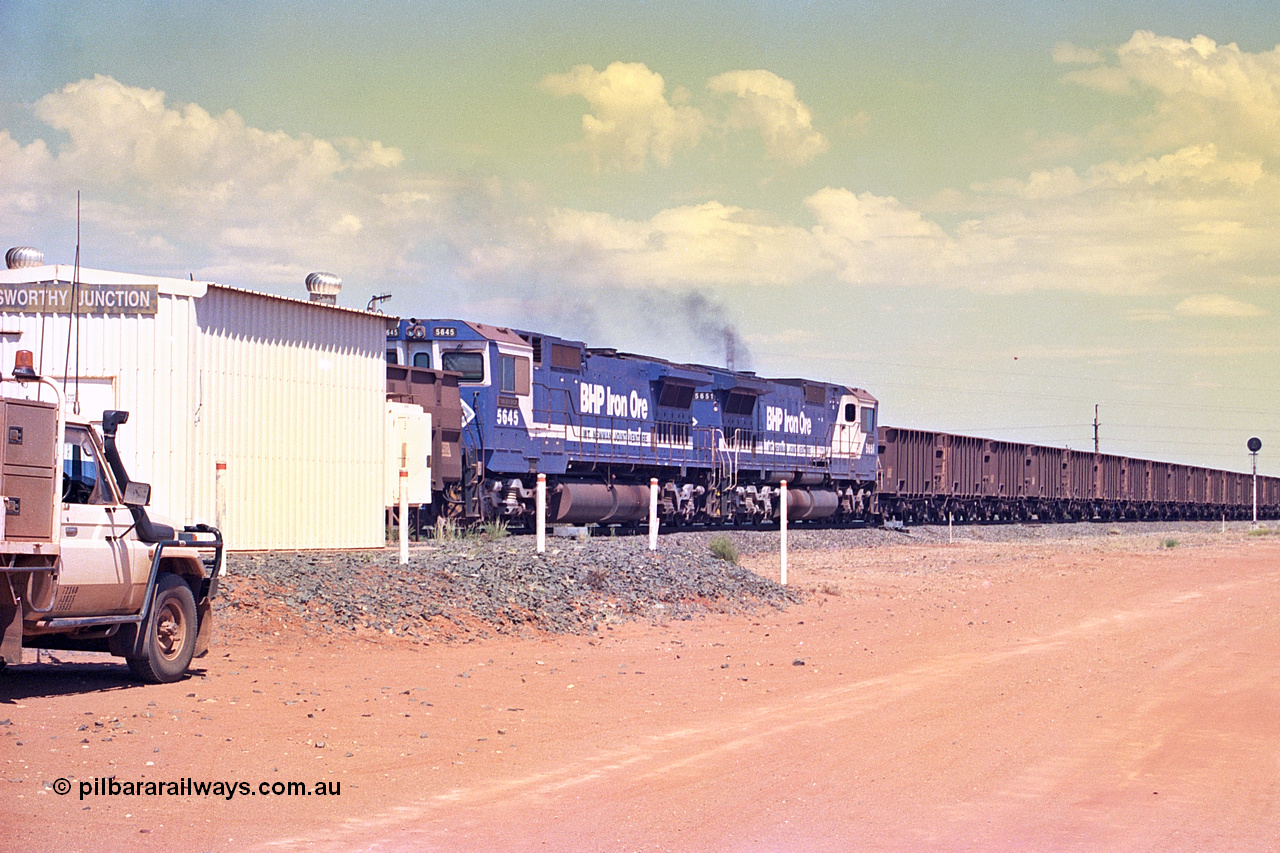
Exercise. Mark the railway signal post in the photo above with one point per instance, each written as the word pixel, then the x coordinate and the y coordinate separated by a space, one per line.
pixel 1255 444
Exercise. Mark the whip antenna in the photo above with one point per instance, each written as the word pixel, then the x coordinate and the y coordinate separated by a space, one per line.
pixel 73 322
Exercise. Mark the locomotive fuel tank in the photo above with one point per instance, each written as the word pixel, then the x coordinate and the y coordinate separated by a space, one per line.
pixel 811 504
pixel 598 503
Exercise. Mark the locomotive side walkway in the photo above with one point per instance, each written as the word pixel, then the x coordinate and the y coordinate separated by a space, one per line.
pixel 1109 693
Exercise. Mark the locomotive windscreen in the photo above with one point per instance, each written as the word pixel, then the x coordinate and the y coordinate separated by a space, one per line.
pixel 469 364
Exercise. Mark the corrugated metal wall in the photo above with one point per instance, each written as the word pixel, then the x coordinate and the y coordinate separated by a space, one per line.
pixel 291 396
pixel 137 363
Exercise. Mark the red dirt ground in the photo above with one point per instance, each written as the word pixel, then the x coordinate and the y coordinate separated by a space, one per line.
pixel 1108 694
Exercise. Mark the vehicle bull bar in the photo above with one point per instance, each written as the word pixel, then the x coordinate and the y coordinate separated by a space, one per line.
pixel 204 593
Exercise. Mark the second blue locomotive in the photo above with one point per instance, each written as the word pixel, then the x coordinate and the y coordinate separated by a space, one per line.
pixel 600 423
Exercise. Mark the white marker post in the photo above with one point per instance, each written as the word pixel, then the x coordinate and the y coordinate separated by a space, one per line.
pixel 1255 491
pixel 653 513
pixel 540 509
pixel 404 516
pixel 782 502
pixel 220 502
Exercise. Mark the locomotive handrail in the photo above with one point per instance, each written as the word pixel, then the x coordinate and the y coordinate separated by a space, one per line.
pixel 618 439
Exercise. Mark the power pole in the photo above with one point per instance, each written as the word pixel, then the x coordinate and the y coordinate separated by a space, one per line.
pixel 1095 427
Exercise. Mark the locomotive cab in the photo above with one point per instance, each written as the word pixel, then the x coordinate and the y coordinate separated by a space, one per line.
pixel 855 424
pixel 494 368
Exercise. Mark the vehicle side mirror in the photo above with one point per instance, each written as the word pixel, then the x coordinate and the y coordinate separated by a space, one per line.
pixel 137 494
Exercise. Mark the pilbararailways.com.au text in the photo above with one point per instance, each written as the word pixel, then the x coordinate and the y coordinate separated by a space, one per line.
pixel 111 787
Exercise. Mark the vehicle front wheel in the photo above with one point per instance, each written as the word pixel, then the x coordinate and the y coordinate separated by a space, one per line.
pixel 172 640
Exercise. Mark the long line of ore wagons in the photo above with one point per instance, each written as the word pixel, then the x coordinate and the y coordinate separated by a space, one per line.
pixel 931 476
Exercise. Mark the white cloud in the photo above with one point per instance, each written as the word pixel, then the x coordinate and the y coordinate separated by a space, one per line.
pixel 173 185
pixel 706 244
pixel 768 103
pixel 868 218
pixel 1193 195
pixel 1197 163
pixel 1217 305
pixel 25 175
pixel 878 240
pixel 131 132
pixel 1175 172
pixel 631 121
pixel 1043 184
pixel 1206 92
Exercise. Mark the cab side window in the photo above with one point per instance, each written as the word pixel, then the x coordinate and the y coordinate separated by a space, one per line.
pixel 514 374
pixel 82 470
pixel 507 369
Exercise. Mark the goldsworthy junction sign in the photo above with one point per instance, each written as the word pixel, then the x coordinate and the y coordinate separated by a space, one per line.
pixel 63 297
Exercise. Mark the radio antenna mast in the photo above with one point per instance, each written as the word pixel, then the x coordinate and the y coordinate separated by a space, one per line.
pixel 73 322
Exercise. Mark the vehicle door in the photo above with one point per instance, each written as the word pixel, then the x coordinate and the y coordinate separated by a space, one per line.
pixel 849 435
pixel 104 566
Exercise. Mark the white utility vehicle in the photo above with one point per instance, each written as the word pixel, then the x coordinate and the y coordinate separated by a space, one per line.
pixel 82 564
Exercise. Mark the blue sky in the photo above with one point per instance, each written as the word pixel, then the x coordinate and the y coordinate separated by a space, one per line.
pixel 993 216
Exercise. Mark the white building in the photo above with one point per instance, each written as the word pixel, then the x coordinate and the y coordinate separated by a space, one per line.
pixel 289 394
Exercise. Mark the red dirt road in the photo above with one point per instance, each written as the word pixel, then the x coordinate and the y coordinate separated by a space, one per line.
pixel 1085 695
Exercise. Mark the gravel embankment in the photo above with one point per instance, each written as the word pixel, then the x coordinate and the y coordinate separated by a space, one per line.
pixel 460 589
pixel 451 590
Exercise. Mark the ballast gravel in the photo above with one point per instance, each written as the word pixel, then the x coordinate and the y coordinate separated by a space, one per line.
pixel 457 590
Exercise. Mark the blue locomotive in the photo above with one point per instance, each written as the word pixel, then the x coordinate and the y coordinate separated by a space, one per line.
pixel 600 423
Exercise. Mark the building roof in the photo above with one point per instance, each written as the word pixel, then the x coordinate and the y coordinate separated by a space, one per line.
pixel 66 272
pixel 325 305
pixel 167 286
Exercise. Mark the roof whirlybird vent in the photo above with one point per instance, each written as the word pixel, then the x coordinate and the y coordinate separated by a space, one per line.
pixel 20 257
pixel 324 287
